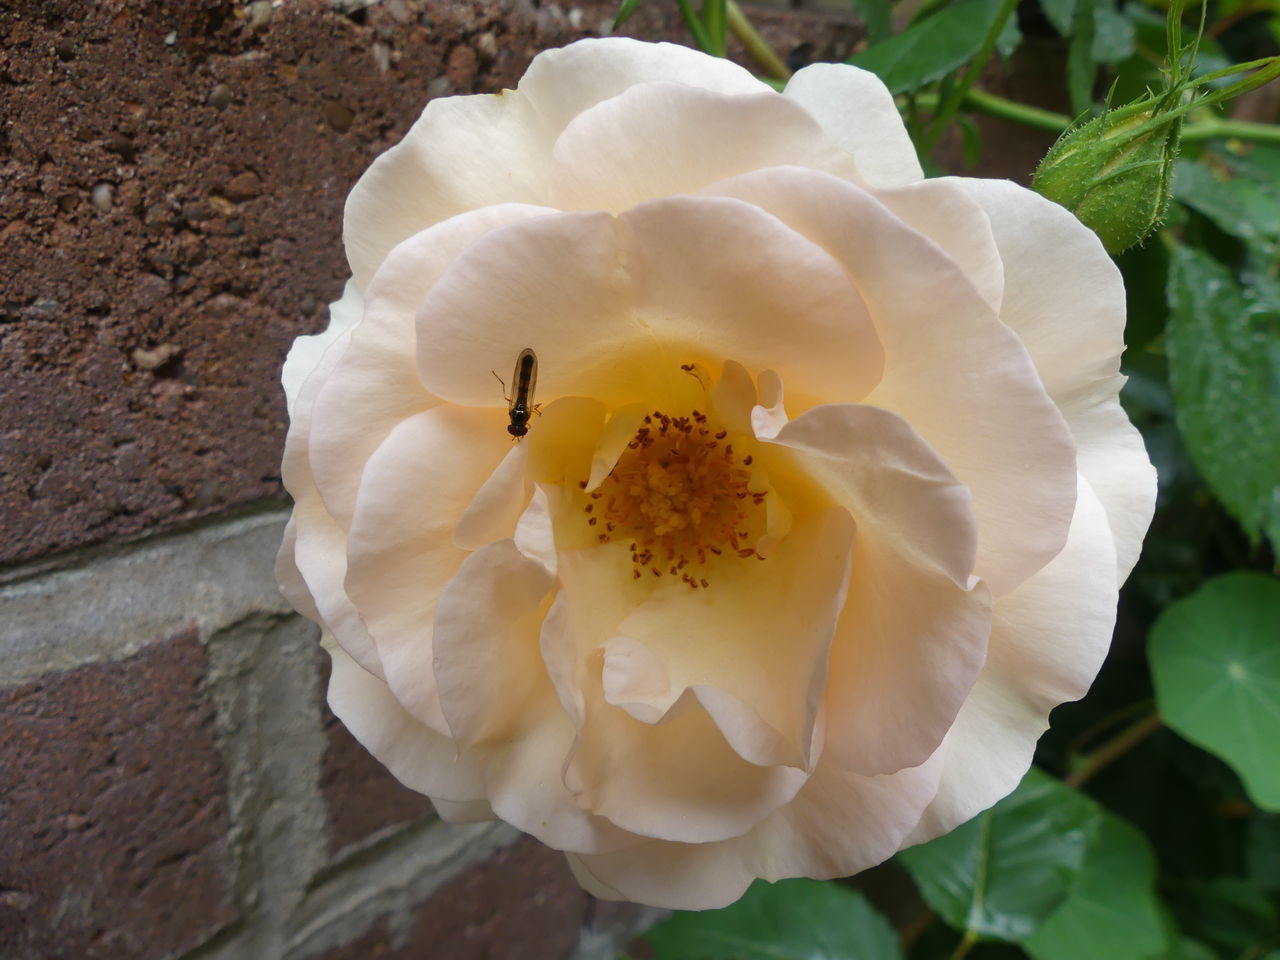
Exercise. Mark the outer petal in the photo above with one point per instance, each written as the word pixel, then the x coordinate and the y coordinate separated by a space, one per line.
pixel 960 377
pixel 458 155
pixel 312 561
pixel 304 356
pixel 564 82
pixel 857 112
pixel 912 637
pixel 839 823
pixel 627 150
pixel 675 780
pixel 1065 298
pixel 400 549
pixel 760 634
pixel 375 384
pixel 499 701
pixel 613 307
pixel 1048 641
pixel 419 757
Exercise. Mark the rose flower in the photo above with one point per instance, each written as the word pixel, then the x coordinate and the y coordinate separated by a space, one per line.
pixel 823 509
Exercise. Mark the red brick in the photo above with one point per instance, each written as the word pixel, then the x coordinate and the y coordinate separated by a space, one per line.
pixel 521 904
pixel 361 797
pixel 166 239
pixel 113 803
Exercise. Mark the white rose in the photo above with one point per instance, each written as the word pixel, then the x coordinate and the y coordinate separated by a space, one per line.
pixel 693 630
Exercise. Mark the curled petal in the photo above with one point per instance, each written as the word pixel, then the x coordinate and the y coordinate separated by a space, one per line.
pixel 913 634
pixel 1048 640
pixel 499 702
pixel 838 824
pixel 1065 298
pixel 856 110
pixel 625 150
pixel 400 550
pixel 614 307
pixel 952 369
pixel 421 758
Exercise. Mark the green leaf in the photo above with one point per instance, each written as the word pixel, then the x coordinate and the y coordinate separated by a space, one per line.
pixel 1003 872
pixel 1224 362
pixel 1215 660
pixel 1114 37
pixel 1239 206
pixel 876 17
pixel 1112 911
pixel 1262 851
pixel 1060 13
pixel 929 50
pixel 714 20
pixel 1187 949
pixel 788 920
pixel 625 9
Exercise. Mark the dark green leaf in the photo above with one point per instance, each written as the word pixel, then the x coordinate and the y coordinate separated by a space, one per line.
pixel 1060 13
pixel 1187 949
pixel 1003 872
pixel 1113 33
pixel 714 20
pixel 625 10
pixel 1239 206
pixel 1215 659
pixel 1010 37
pixel 876 17
pixel 930 49
pixel 1232 914
pixel 1112 910
pixel 788 920
pixel 1081 67
pixel 1262 851
pixel 1224 363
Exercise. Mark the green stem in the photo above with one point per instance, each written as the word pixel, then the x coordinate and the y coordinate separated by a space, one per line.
pixel 755 44
pixel 1029 116
pixel 965 945
pixel 952 103
pixel 1226 129
pixel 1091 763
pixel 696 29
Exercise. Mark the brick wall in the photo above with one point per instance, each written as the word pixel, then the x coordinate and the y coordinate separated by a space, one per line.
pixel 171 783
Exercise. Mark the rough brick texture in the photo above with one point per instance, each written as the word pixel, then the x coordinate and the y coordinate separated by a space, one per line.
pixel 112 801
pixel 522 904
pixel 361 797
pixel 172 177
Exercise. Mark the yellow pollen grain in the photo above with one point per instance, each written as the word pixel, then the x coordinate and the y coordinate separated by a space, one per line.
pixel 680 497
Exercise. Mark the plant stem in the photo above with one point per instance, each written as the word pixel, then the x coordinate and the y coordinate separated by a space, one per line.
pixel 755 44
pixel 1091 763
pixel 965 945
pixel 1240 129
pixel 1029 116
pixel 952 103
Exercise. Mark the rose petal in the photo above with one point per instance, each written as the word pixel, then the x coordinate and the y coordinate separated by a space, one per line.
pixel 957 374
pixel 1065 298
pixel 499 701
pixel 857 112
pixel 913 634
pixel 676 780
pixel 839 823
pixel 400 549
pixel 375 384
pixel 419 757
pixel 766 297
pixel 564 82
pixel 625 150
pixel 304 356
pixel 1048 640
pixel 753 645
pixel 947 215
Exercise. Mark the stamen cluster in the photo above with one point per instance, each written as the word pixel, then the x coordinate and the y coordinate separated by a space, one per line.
pixel 682 496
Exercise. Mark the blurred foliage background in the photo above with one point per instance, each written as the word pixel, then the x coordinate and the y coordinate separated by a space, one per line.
pixel 1149 827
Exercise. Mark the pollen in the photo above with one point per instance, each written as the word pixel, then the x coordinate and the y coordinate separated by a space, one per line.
pixel 681 498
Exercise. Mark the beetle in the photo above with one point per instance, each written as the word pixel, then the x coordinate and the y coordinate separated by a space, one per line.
pixel 520 405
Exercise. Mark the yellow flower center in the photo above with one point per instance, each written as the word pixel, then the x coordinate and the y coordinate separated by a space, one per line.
pixel 681 496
